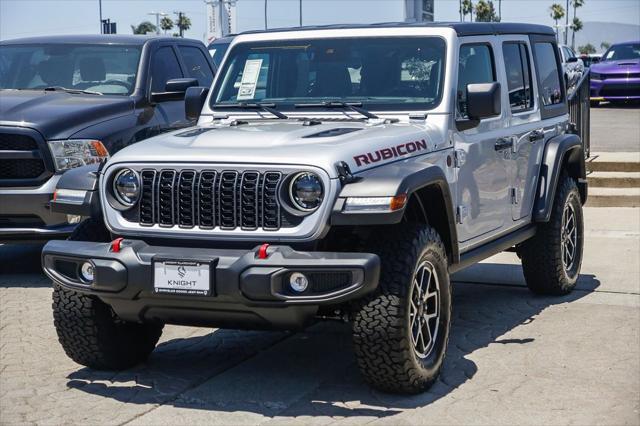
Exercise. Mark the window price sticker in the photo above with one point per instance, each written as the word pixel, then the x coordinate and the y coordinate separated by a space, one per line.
pixel 249 81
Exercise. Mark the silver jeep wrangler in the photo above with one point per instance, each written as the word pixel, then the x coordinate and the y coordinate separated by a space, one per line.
pixel 335 172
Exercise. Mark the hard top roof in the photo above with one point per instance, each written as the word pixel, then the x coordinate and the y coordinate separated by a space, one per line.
pixel 94 39
pixel 461 28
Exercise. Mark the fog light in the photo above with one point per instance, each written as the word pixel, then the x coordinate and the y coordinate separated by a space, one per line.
pixel 86 271
pixel 298 282
pixel 73 219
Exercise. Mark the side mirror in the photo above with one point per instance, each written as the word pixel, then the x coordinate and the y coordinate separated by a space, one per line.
pixel 174 89
pixel 483 100
pixel 194 100
pixel 572 60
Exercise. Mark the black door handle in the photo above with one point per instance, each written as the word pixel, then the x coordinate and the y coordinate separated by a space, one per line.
pixel 536 135
pixel 503 143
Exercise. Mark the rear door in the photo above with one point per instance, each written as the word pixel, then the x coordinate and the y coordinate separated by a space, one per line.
pixel 524 123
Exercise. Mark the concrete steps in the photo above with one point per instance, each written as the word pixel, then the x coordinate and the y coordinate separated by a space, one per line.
pixel 614 179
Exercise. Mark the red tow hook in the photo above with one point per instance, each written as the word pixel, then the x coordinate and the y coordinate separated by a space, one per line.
pixel 116 245
pixel 262 251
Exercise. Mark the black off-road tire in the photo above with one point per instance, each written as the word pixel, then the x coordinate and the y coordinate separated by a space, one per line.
pixel 544 270
pixel 92 335
pixel 91 229
pixel 381 331
pixel 89 331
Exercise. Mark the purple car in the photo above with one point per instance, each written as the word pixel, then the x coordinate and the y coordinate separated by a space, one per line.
pixel 617 76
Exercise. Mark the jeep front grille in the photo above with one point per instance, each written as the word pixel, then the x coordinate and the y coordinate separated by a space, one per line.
pixel 210 199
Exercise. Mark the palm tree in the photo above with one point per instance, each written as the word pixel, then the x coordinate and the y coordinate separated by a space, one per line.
pixel 486 12
pixel 183 23
pixel 143 28
pixel 166 24
pixel 557 13
pixel 605 45
pixel 467 9
pixel 576 25
pixel 576 4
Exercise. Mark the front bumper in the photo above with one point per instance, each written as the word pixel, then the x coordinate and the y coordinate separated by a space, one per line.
pixel 615 89
pixel 246 291
pixel 25 214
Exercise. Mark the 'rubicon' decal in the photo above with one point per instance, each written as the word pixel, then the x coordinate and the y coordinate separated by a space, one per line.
pixel 391 152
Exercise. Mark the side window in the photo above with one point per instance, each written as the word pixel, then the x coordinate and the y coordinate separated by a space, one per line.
pixel 549 76
pixel 197 65
pixel 164 67
pixel 518 70
pixel 476 66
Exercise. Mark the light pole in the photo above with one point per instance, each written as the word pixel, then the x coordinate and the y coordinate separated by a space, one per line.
pixel 158 15
pixel 265 14
pixel 100 8
pixel 300 12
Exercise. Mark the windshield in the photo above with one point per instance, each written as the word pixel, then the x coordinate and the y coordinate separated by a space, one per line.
pixel 622 52
pixel 107 69
pixel 393 73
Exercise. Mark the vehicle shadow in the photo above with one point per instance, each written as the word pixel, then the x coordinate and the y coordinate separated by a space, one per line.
pixel 314 373
pixel 20 266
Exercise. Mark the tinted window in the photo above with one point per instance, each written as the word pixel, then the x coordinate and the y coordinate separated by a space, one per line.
pixel 164 67
pixel 197 65
pixel 217 51
pixel 381 73
pixel 110 70
pixel 620 52
pixel 518 69
pixel 547 67
pixel 476 66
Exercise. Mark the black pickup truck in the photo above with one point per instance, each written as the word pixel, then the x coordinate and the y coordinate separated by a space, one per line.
pixel 68 101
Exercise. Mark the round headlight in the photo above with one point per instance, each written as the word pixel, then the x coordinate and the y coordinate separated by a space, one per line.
pixel 306 191
pixel 126 187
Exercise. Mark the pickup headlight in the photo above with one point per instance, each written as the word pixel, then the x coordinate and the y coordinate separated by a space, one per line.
pixel 306 192
pixel 72 153
pixel 126 187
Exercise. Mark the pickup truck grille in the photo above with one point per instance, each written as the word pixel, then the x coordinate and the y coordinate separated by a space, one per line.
pixel 21 160
pixel 211 199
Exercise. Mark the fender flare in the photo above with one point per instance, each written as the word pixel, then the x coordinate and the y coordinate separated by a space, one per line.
pixel 561 152
pixel 392 181
pixel 84 179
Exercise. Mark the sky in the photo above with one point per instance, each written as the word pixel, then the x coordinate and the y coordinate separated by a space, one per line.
pixel 23 18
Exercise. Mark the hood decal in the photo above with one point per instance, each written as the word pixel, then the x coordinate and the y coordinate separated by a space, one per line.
pixel 390 152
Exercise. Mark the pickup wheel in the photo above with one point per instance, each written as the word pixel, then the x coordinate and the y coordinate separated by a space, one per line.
pixel 89 331
pixel 551 259
pixel 401 332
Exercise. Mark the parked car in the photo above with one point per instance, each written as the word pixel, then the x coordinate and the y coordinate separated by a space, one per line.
pixel 572 65
pixel 67 101
pixel 616 78
pixel 218 48
pixel 371 163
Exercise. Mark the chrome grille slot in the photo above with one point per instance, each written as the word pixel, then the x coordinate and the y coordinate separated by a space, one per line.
pixel 166 191
pixel 249 200
pixel 208 199
pixel 270 204
pixel 148 178
pixel 186 198
pixel 227 200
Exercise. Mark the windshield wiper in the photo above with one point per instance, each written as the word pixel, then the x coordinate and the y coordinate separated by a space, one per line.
pixel 254 105
pixel 73 91
pixel 353 106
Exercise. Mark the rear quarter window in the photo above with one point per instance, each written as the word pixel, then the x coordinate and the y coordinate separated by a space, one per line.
pixel 550 87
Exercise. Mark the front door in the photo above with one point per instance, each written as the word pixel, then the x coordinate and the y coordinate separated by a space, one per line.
pixel 482 155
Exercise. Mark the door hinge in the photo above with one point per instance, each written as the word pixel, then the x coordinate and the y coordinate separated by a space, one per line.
pixel 515 195
pixel 460 157
pixel 461 214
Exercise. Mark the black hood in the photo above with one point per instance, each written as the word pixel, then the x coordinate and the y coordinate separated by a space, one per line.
pixel 58 115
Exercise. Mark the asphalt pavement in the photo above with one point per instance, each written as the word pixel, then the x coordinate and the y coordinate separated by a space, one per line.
pixel 514 358
pixel 615 127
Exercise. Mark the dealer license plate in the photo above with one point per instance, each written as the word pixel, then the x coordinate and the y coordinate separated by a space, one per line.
pixel 182 277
